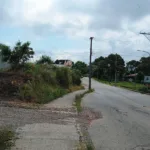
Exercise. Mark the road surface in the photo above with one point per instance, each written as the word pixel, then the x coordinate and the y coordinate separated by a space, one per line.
pixel 126 118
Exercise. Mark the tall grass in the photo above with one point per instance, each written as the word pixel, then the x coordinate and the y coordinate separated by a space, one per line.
pixel 48 83
pixel 129 85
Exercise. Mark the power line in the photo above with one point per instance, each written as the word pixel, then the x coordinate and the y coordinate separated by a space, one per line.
pixel 146 34
pixel 117 53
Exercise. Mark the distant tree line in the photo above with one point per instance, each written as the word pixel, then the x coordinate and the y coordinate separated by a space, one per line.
pixel 106 68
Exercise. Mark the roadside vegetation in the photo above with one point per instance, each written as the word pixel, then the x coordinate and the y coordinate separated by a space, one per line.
pixel 7 138
pixel 78 99
pixel 38 82
pixel 129 75
pixel 49 83
pixel 128 85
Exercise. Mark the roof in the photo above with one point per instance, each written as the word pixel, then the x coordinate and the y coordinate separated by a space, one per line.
pixel 132 75
pixel 61 61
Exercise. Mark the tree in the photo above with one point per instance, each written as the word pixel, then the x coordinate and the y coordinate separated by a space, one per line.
pixel 45 60
pixel 105 68
pixel 18 56
pixel 144 65
pixel 132 66
pixel 5 52
pixel 116 65
pixel 81 66
pixel 140 77
pixel 98 67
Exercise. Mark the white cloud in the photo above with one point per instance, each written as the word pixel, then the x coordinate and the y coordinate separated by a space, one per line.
pixel 115 24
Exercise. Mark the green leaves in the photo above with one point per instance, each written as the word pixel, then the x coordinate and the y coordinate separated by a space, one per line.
pixel 106 67
pixel 18 56
pixel 81 66
pixel 45 60
pixel 5 52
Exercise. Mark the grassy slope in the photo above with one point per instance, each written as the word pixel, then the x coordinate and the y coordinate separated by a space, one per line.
pixel 128 85
pixel 48 83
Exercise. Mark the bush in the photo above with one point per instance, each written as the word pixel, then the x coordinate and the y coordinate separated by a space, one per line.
pixel 76 78
pixel 28 68
pixel 44 60
pixel 48 82
pixel 63 76
pixel 7 137
pixel 44 93
pixel 144 89
pixel 49 77
pixel 40 92
pixel 25 92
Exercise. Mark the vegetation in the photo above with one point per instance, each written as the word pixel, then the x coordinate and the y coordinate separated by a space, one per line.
pixel 89 147
pixel 7 137
pixel 45 82
pixel 45 60
pixel 78 99
pixel 129 85
pixel 81 67
pixel 18 56
pixel 105 68
pixel 48 83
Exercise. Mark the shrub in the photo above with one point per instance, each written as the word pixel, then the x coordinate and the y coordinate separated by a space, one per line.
pixel 7 137
pixel 48 82
pixel 25 92
pixel 40 92
pixel 49 77
pixel 144 89
pixel 44 60
pixel 63 76
pixel 76 78
pixel 28 68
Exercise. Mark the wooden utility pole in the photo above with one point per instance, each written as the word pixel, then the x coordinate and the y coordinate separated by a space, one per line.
pixel 116 70
pixel 90 66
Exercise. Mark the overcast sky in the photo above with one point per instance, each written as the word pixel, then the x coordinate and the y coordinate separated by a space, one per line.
pixel 61 28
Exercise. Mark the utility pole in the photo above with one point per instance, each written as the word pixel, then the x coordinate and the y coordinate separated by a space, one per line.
pixel 90 66
pixel 116 70
pixel 145 34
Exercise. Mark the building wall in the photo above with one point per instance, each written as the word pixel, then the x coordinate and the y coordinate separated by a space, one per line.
pixel 64 63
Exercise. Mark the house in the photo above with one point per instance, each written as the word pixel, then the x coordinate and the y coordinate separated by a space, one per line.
pixel 131 77
pixel 63 63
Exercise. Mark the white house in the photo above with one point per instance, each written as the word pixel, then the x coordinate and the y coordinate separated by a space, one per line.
pixel 63 63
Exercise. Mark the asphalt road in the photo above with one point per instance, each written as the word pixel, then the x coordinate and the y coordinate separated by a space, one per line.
pixel 126 118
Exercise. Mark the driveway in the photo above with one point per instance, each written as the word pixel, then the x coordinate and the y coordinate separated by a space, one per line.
pixel 126 118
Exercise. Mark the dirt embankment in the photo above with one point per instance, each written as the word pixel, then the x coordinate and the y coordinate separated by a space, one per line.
pixel 10 83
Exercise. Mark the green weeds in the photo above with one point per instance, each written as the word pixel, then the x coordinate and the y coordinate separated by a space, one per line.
pixel 78 99
pixel 7 138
